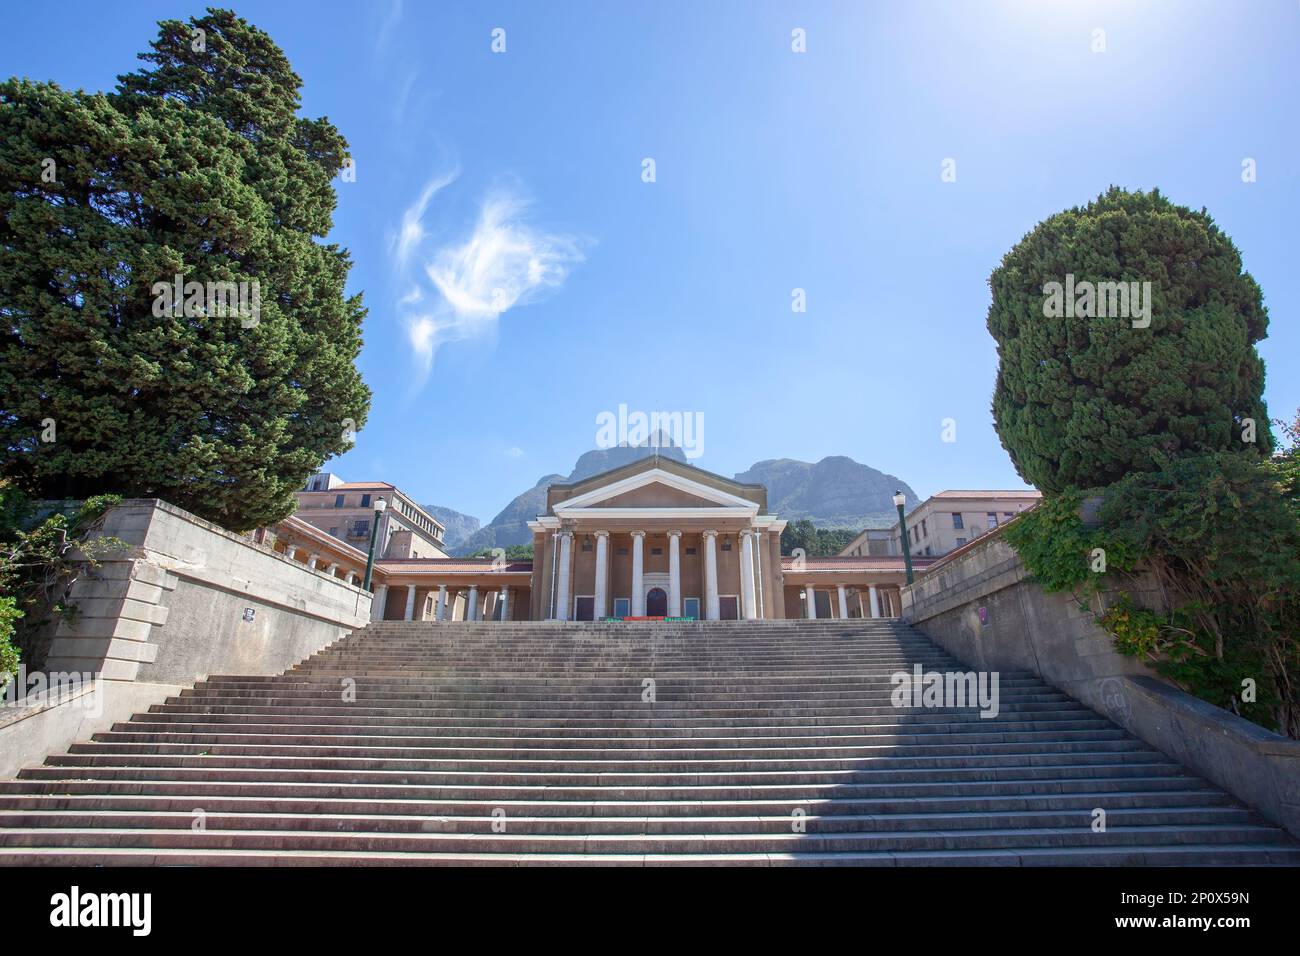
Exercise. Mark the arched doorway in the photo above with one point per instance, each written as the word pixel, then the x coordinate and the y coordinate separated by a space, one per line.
pixel 656 603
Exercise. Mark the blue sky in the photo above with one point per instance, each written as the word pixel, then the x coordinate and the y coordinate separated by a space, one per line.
pixel 775 170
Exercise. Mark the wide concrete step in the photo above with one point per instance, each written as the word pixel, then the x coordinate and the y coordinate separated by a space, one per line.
pixel 1250 854
pixel 519 822
pixel 885 770
pixel 1080 836
pixel 650 717
pixel 296 725
pixel 559 748
pixel 272 803
pixel 1159 778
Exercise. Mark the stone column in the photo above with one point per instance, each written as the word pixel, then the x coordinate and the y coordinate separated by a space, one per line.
pixel 378 600
pixel 712 608
pixel 747 575
pixel 601 609
pixel 471 609
pixel 875 602
pixel 638 574
pixel 562 589
pixel 410 603
pixel 440 609
pixel 844 601
pixel 352 577
pixel 331 569
pixel 812 602
pixel 312 559
pixel 674 574
pixel 505 605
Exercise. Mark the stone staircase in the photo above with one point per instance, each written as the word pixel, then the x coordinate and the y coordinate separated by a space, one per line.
pixel 770 743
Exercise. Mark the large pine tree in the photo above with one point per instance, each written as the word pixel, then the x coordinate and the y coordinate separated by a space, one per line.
pixel 197 165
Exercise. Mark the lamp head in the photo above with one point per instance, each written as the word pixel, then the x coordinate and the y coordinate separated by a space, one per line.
pixel 380 505
pixel 899 499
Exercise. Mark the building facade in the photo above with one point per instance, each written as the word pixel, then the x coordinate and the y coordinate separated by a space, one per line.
pixel 654 539
pixel 945 522
pixel 346 510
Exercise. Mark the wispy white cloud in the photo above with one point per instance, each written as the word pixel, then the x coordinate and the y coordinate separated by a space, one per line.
pixel 387 25
pixel 412 231
pixel 503 263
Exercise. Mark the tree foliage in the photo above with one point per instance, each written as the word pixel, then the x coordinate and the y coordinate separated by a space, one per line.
pixel 1085 401
pixel 815 542
pixel 197 165
pixel 1221 533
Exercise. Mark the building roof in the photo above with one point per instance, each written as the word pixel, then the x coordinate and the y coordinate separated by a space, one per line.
pixel 754 492
pixel 1020 493
pixel 874 562
pixel 453 566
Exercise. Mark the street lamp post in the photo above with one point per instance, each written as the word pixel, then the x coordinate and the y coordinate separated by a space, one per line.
pixel 380 505
pixel 899 500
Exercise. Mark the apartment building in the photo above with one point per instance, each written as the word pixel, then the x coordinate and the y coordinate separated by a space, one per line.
pixel 346 510
pixel 945 522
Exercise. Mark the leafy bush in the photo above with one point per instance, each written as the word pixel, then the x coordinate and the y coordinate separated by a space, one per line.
pixel 41 557
pixel 1221 533
pixel 1059 550
pixel 9 655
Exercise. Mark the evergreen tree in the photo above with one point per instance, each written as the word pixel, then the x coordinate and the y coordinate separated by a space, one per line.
pixel 197 166
pixel 1083 399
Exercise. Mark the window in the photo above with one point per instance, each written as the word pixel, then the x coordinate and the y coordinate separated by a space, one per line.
pixel 1007 516
pixel 690 550
pixel 621 552
pixel 365 501
pixel 960 542
pixel 334 532
pixel 691 608
pixel 726 545
pixel 338 501
pixel 924 532
pixel 956 522
pixel 993 520
pixel 656 550
pixel 360 529
pixel 622 607
pixel 586 544
pixel 927 550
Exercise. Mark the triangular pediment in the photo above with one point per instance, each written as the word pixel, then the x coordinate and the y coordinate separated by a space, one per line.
pixel 656 494
pixel 655 488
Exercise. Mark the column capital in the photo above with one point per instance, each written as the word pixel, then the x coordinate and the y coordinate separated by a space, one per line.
pixel 674 534
pixel 566 533
pixel 709 534
pixel 638 534
pixel 601 534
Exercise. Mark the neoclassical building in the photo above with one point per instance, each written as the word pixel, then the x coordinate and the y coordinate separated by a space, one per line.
pixel 656 538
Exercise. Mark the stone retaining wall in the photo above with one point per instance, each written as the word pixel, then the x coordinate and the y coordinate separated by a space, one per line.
pixel 980 605
pixel 185 600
